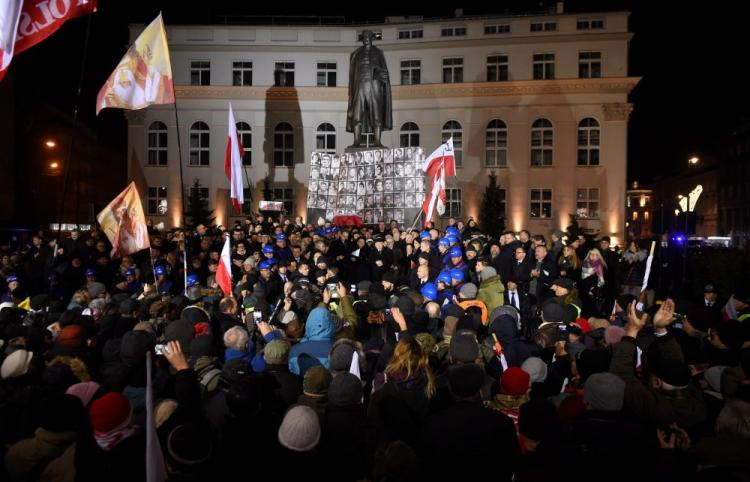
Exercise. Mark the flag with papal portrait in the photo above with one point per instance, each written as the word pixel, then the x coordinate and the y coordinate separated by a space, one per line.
pixel 124 223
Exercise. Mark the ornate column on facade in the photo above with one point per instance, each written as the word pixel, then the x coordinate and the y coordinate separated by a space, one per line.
pixel 617 111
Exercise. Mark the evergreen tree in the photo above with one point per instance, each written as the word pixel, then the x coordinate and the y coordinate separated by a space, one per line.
pixel 198 212
pixel 492 215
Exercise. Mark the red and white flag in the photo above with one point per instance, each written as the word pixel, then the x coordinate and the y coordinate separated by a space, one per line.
pixel 25 23
pixel 437 199
pixel 224 270
pixel 443 156
pixel 233 164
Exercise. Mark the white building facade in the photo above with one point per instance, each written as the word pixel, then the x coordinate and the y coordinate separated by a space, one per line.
pixel 539 100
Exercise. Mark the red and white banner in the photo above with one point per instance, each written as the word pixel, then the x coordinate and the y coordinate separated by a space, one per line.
pixel 443 156
pixel 437 199
pixel 24 24
pixel 233 164
pixel 224 270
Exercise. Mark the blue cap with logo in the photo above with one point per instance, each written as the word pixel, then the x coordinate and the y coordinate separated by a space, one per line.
pixel 192 280
pixel 457 274
pixel 429 291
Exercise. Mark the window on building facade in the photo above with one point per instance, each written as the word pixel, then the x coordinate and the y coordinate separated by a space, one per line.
pixel 589 65
pixel 410 33
pixel 283 74
pixel 453 70
pixel 453 129
pixel 544 66
pixel 496 144
pixel 541 143
pixel 411 72
pixel 452 203
pixel 543 26
pixel 325 138
pixel 541 203
pixel 246 138
pixel 588 142
pixel 590 24
pixel 587 203
pixel 285 195
pixel 496 28
pixel 452 31
pixel 283 145
pixel 157 201
pixel 200 72
pixel 409 135
pixel 242 73
pixel 497 68
pixel 199 144
pixel 157 144
pixel 326 74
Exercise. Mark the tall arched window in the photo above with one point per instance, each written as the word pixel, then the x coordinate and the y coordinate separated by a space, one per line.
pixel 199 144
pixel 453 129
pixel 157 144
pixel 409 135
pixel 588 142
pixel 541 143
pixel 283 145
pixel 325 138
pixel 246 138
pixel 496 144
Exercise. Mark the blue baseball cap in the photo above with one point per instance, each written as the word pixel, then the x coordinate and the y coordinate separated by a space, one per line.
pixel 268 249
pixel 90 272
pixel 429 291
pixel 264 265
pixel 192 280
pixel 11 278
pixel 457 274
pixel 456 252
pixel 160 270
pixel 452 230
pixel 425 235
pixel 130 272
pixel 452 238
pixel 444 277
pixel 444 242
pixel 272 261
pixel 280 237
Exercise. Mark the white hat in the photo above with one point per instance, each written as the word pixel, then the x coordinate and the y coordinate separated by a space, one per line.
pixel 300 429
pixel 16 364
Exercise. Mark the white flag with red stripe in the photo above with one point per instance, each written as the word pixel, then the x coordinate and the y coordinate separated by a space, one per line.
pixel 437 199
pixel 444 156
pixel 233 164
pixel 224 270
pixel 10 15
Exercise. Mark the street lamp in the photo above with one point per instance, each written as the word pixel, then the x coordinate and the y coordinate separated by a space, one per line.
pixel 694 160
pixel 687 205
pixel 50 143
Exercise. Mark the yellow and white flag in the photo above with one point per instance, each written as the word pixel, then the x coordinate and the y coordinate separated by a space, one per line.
pixel 144 75
pixel 124 223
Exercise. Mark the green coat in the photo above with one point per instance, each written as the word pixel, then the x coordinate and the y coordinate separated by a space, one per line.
pixel 491 293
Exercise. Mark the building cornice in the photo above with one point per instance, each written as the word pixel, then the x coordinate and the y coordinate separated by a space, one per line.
pixel 616 85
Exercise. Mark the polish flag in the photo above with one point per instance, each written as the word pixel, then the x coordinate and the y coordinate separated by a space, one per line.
pixel 224 270
pixel 437 199
pixel 10 15
pixel 444 156
pixel 233 164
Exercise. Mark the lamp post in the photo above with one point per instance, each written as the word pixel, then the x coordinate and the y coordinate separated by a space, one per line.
pixel 687 205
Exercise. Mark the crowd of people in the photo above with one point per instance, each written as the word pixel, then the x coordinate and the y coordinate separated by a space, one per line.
pixel 367 353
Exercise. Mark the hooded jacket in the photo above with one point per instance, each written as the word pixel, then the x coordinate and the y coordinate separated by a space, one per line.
pixel 318 339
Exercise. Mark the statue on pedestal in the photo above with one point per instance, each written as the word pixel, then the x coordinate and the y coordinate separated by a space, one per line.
pixel 370 107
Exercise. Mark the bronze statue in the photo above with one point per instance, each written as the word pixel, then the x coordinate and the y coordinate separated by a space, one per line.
pixel 369 92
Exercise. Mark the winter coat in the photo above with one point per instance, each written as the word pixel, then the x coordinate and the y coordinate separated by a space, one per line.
pixel 318 339
pixel 491 292
pixel 26 459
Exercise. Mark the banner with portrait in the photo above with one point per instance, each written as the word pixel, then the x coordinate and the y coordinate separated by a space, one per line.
pixel 373 184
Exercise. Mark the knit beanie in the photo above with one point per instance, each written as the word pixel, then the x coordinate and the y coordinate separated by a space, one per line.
pixel 468 291
pixel 276 352
pixel 604 392
pixel 487 273
pixel 300 429
pixel 16 364
pixel 109 412
pixel 515 381
pixel 317 380
pixel 536 368
pixel 341 357
pixel 465 380
pixel 85 391
pixel 345 389
pixel 464 347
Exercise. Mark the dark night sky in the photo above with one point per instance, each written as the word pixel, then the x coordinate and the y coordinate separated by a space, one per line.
pixel 691 59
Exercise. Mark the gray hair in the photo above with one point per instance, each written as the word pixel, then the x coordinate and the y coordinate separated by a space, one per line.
pixel 236 338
